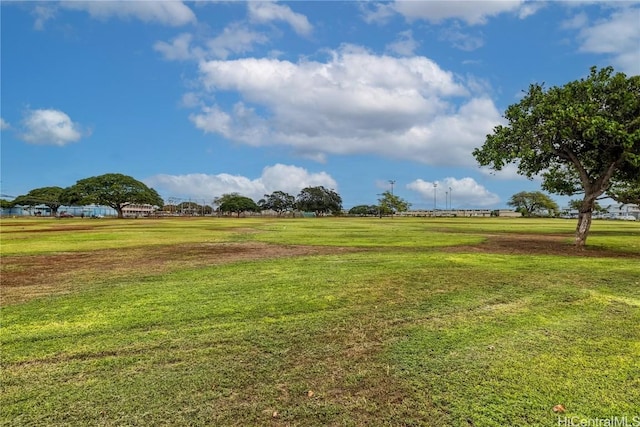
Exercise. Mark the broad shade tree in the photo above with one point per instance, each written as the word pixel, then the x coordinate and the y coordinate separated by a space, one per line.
pixel 236 203
pixel 319 200
pixel 48 196
pixel 581 138
pixel 530 203
pixel 114 190
pixel 278 201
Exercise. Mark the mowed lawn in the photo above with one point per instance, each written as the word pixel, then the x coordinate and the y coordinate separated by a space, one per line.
pixel 328 321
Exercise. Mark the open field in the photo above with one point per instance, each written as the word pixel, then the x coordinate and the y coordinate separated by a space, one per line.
pixel 345 321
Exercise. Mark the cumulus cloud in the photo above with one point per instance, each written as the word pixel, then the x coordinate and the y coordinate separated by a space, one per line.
pixel 3 124
pixel 617 36
pixel 266 11
pixel 355 102
pixel 172 13
pixel 464 193
pixel 279 177
pixel 49 127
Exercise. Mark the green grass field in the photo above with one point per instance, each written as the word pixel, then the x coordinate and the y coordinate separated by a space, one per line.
pixel 304 322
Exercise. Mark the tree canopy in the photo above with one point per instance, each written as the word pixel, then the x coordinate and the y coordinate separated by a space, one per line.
pixel 582 138
pixel 319 200
pixel 626 192
pixel 278 201
pixel 114 190
pixel 48 196
pixel 365 210
pixel 533 202
pixel 235 203
pixel 390 203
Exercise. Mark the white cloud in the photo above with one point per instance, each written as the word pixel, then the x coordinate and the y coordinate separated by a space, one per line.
pixel 279 177
pixel 379 13
pixel 172 13
pixel 178 50
pixel 405 45
pixel 236 38
pixel 3 124
pixel 266 11
pixel 472 12
pixel 49 127
pixel 355 102
pixel 617 36
pixel 464 193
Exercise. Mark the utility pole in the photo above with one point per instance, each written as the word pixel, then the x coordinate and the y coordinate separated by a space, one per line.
pixel 435 186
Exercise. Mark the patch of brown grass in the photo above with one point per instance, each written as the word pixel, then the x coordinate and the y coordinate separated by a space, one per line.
pixel 25 277
pixel 538 244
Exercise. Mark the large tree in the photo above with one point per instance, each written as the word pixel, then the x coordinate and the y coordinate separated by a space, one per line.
pixel 235 203
pixel 319 200
pixel 390 203
pixel 582 138
pixel 278 201
pixel 533 202
pixel 114 190
pixel 48 196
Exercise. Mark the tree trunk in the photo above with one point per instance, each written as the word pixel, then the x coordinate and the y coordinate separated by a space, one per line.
pixel 120 213
pixel 584 221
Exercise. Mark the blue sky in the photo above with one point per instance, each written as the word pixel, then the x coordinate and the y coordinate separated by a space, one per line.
pixel 198 99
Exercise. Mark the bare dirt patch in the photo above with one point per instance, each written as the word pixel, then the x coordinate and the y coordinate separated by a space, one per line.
pixel 539 244
pixel 27 277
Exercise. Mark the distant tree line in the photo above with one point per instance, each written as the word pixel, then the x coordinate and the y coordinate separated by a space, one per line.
pixel 113 189
pixel 119 191
pixel 319 200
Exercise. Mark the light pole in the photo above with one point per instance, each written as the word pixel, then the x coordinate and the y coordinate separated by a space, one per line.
pixel 446 200
pixel 392 181
pixel 435 186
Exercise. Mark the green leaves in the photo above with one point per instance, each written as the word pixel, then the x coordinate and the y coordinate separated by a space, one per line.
pixel 583 128
pixel 391 203
pixel 236 203
pixel 48 196
pixel 319 200
pixel 581 137
pixel 112 189
pixel 534 202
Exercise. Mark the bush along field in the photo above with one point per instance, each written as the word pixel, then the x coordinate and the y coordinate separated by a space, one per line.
pixel 330 321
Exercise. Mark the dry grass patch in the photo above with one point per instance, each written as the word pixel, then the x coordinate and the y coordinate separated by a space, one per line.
pixel 32 276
